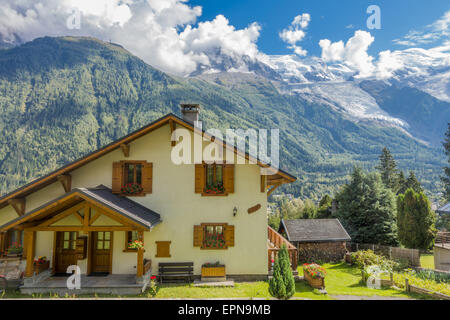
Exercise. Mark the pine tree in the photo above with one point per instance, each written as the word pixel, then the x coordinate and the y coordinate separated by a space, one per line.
pixel 402 186
pixel 367 209
pixel 388 170
pixel 324 210
pixel 446 178
pixel 415 220
pixel 282 284
pixel 413 183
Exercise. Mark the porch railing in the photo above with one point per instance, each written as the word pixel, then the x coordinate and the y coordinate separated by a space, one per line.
pixel 277 240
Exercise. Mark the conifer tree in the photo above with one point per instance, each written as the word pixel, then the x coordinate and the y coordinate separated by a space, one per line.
pixel 367 209
pixel 415 220
pixel 282 284
pixel 413 183
pixel 402 186
pixel 388 170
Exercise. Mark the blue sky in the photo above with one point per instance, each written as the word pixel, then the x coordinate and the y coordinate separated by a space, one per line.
pixel 329 19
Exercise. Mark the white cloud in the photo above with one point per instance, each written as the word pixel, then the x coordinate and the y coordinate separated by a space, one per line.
pixel 161 32
pixel 438 30
pixel 353 53
pixel 294 33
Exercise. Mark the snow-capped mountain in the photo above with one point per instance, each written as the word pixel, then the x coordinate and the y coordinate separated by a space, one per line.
pixel 337 85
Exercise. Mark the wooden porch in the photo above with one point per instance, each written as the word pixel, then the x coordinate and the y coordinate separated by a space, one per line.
pixel 275 241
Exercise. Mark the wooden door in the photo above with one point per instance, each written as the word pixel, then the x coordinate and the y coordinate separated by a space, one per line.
pixel 101 257
pixel 65 254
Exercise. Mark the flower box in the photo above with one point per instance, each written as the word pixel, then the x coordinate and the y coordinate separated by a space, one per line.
pixel 315 275
pixel 40 267
pixel 317 283
pixel 213 271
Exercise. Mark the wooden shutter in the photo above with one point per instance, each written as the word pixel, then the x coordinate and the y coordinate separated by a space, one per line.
pixel 199 178
pixel 229 236
pixel 117 177
pixel 163 249
pixel 198 236
pixel 147 177
pixel 228 177
pixel 3 242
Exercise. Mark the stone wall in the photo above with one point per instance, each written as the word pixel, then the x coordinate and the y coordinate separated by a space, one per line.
pixel 320 252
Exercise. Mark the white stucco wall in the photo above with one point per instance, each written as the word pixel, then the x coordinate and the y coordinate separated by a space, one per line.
pixel 180 208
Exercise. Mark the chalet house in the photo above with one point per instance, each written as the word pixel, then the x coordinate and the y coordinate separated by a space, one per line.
pixel 88 212
pixel 316 239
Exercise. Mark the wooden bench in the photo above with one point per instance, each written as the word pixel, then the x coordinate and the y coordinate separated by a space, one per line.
pixel 175 271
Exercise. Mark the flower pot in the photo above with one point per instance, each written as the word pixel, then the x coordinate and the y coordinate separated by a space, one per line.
pixel 213 272
pixel 317 283
pixel 38 268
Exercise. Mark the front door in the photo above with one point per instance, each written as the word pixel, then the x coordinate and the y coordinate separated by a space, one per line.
pixel 65 250
pixel 101 257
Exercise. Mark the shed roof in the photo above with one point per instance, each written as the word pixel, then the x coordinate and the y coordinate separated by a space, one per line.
pixel 315 230
pixel 444 209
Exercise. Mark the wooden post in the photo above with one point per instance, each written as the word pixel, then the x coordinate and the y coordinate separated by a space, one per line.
pixel 391 277
pixel 29 238
pixel 406 285
pixel 140 257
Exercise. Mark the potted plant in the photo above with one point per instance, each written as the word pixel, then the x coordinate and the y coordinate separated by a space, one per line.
pixel 315 275
pixel 213 270
pixel 15 250
pixel 215 189
pixel 41 264
pixel 136 244
pixel 214 240
pixel 131 188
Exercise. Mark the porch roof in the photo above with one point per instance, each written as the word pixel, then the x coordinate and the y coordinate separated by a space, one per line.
pixel 100 195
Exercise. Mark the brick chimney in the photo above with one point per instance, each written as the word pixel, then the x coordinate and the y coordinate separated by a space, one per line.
pixel 190 112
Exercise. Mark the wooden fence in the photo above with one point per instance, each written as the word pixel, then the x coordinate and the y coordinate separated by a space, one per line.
pixel 394 253
pixel 442 238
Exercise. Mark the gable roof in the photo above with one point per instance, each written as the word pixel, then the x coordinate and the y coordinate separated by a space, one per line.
pixel 99 195
pixel 315 230
pixel 52 177
pixel 445 209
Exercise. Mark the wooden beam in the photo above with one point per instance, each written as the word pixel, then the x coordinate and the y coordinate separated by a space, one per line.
pixel 61 215
pixel 97 215
pixel 87 215
pixel 29 239
pixel 273 189
pixel 66 181
pixel 125 149
pixel 19 205
pixel 140 257
pixel 82 228
pixel 263 183
pixel 172 129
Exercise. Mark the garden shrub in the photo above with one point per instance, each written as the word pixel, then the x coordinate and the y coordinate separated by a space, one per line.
pixel 411 275
pixel 366 258
pixel 282 284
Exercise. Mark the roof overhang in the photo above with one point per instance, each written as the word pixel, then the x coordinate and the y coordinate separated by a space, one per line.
pixel 277 176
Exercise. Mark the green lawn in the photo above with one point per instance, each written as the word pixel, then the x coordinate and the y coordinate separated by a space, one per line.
pixel 427 261
pixel 341 280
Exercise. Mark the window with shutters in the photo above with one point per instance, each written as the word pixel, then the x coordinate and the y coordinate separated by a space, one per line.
pixel 214 236
pixel 214 179
pixel 132 178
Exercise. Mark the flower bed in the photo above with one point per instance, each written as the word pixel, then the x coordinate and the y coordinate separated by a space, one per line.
pixel 131 188
pixel 214 189
pixel 399 280
pixel 214 240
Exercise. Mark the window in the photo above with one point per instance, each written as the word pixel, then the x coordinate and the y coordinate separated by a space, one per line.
pixel 214 179
pixel 103 240
pixel 130 236
pixel 163 249
pixel 70 240
pixel 214 236
pixel 132 178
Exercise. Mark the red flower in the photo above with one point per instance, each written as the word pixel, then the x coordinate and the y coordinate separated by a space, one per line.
pixel 153 277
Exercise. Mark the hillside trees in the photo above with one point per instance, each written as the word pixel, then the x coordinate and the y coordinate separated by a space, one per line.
pixel 446 177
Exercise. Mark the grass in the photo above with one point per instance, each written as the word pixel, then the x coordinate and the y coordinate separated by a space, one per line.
pixel 340 280
pixel 427 261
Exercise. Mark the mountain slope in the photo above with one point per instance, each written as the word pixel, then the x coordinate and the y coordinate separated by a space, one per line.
pixel 61 98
